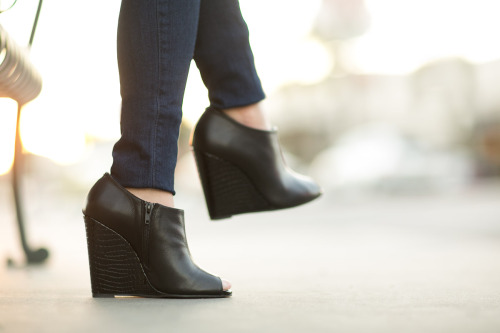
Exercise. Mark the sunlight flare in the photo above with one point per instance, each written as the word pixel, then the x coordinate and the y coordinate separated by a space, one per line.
pixel 8 115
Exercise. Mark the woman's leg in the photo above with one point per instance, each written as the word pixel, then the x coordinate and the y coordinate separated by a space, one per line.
pixel 156 40
pixel 242 170
pixel 225 60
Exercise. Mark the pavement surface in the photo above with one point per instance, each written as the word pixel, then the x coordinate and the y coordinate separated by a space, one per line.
pixel 385 263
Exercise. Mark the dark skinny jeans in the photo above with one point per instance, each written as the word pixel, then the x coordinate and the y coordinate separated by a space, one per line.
pixel 157 39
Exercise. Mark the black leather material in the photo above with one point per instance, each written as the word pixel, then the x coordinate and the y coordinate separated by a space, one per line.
pixel 258 154
pixel 159 241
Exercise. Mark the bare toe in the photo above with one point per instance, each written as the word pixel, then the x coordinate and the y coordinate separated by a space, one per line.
pixel 226 285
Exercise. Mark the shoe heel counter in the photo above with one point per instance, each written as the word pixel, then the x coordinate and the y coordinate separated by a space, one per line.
pixel 198 136
pixel 91 204
pixel 108 202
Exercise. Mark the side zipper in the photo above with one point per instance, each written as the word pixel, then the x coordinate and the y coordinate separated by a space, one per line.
pixel 148 208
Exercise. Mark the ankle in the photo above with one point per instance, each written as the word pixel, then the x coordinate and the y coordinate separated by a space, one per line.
pixel 153 195
pixel 250 115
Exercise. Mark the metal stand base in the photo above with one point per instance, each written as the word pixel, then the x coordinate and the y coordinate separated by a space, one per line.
pixel 33 256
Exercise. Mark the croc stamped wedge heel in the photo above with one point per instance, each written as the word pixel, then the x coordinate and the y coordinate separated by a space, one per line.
pixel 242 169
pixel 137 248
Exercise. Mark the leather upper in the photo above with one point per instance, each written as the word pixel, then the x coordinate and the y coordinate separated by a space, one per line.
pixel 258 154
pixel 160 244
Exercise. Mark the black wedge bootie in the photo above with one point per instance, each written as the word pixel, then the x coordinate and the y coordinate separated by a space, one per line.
pixel 242 169
pixel 137 248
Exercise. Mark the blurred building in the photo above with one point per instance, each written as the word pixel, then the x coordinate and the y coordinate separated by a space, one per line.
pixel 448 109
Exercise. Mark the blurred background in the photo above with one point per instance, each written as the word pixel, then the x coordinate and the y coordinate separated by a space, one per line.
pixel 392 106
pixel 374 95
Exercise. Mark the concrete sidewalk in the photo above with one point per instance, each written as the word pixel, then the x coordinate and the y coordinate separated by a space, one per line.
pixel 407 264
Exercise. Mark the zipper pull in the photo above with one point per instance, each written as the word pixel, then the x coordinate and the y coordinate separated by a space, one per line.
pixel 149 209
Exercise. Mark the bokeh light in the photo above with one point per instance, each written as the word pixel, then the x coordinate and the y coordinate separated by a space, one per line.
pixel 77 58
pixel 8 114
